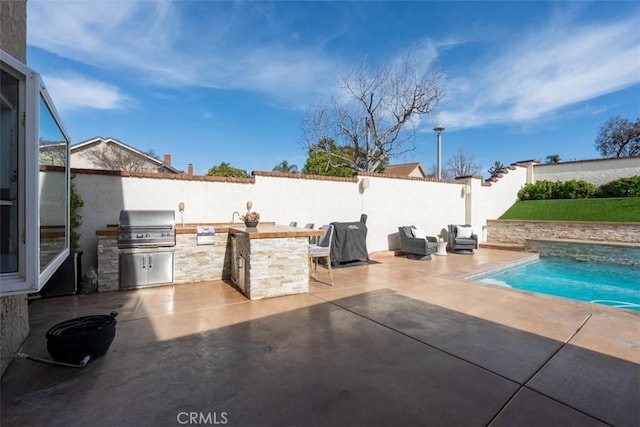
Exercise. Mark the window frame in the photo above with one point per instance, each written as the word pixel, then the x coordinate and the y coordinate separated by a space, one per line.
pixel 29 278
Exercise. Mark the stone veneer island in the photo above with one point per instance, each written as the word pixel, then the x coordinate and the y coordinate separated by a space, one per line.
pixel 262 262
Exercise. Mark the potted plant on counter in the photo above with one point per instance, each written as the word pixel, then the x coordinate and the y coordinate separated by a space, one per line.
pixel 251 219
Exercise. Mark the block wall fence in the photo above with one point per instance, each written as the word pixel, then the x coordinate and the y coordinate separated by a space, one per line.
pixel 389 201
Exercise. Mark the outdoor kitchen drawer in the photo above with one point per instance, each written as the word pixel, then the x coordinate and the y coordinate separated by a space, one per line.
pixel 145 269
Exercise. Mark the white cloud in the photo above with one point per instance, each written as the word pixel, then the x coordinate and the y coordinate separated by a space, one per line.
pixel 73 93
pixel 549 70
pixel 241 46
pixel 151 39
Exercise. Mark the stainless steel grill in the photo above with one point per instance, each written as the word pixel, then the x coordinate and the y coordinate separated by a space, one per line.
pixel 146 229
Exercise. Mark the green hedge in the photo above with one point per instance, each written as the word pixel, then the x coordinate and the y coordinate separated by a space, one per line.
pixel 545 190
pixel 623 187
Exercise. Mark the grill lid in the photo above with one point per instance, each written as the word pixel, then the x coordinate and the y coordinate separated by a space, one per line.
pixel 147 219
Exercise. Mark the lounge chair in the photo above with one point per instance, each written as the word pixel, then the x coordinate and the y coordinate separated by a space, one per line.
pixel 461 239
pixel 415 244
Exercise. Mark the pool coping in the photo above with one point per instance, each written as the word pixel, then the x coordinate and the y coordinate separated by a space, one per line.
pixel 587 242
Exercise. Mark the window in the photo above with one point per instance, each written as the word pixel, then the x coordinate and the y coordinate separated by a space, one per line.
pixel 9 171
pixel 34 181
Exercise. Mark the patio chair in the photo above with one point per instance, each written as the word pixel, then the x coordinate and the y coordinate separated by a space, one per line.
pixel 415 244
pixel 322 250
pixel 461 239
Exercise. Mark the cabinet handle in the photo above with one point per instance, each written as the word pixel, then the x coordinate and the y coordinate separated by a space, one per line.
pixel 150 259
pixel 144 262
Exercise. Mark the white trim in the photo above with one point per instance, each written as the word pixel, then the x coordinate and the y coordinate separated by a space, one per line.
pixel 29 279
pixel 53 265
pixel 26 279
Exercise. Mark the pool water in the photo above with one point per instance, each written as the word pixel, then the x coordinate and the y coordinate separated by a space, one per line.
pixel 612 285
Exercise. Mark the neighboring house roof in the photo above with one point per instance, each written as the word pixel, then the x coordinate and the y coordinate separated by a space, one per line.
pixel 406 169
pixel 84 155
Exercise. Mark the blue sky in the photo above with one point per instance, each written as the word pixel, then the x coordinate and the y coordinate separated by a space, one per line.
pixel 231 81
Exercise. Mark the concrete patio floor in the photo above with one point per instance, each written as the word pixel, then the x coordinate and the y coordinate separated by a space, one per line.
pixel 401 342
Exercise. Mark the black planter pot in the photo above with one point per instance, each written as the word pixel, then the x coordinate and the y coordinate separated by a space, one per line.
pixel 73 340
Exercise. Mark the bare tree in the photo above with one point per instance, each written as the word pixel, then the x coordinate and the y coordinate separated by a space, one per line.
pixel 122 160
pixel 461 164
pixel 377 116
pixel 53 153
pixel 432 172
pixel 619 137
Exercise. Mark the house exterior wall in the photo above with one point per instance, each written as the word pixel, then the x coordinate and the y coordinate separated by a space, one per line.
pixel 83 158
pixel 597 171
pixel 14 314
pixel 416 173
pixel 13 21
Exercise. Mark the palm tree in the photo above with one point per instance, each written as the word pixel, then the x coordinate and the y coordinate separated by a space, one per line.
pixel 553 158
pixel 285 167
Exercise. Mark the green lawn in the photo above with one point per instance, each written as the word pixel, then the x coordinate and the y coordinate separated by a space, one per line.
pixel 625 209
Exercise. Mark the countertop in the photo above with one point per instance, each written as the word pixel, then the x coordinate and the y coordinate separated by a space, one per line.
pixel 264 230
pixel 269 231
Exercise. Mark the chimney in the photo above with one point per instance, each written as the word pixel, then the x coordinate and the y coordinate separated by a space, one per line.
pixel 190 170
pixel 167 159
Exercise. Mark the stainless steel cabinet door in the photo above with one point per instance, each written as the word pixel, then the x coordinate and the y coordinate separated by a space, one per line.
pixel 133 270
pixel 160 267
pixel 145 269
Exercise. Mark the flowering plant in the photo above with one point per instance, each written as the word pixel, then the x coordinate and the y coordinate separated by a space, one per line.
pixel 250 216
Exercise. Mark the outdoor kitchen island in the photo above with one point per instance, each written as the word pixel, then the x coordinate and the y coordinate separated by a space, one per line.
pixel 265 261
pixel 270 260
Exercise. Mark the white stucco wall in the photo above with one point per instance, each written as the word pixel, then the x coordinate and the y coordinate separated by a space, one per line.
pixel 388 202
pixel 597 171
pixel 53 207
pixel 491 201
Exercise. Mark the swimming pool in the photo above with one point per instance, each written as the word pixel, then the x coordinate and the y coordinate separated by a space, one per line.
pixel 612 285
